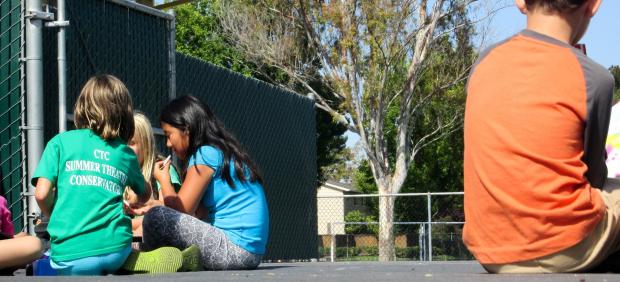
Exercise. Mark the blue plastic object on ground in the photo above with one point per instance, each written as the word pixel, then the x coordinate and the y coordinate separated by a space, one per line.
pixel 42 267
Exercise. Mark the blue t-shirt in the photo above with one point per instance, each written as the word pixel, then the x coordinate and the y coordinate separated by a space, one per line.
pixel 241 212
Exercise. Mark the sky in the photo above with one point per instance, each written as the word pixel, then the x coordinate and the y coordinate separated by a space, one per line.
pixel 602 38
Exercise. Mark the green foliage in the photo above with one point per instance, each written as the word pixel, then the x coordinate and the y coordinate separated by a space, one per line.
pixel 447 242
pixel 199 34
pixel 332 154
pixel 358 216
pixel 368 250
pixel 404 95
pixel 438 167
pixel 370 253
pixel 365 183
pixel 408 252
pixel 615 71
pixel 339 164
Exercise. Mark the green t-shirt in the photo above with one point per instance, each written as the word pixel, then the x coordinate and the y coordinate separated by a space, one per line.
pixel 90 175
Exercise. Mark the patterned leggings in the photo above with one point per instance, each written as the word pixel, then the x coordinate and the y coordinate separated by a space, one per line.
pixel 163 226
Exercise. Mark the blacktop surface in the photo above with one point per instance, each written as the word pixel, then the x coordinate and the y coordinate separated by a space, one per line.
pixel 345 271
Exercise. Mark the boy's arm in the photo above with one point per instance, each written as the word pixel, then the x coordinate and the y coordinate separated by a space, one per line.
pixel 44 195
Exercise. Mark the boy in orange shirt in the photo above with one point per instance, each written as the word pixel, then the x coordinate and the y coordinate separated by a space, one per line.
pixel 537 197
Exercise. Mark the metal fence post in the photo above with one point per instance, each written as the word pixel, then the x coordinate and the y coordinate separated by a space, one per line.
pixel 332 248
pixel 422 241
pixel 172 69
pixel 25 185
pixel 425 235
pixel 430 229
pixel 62 66
pixel 34 96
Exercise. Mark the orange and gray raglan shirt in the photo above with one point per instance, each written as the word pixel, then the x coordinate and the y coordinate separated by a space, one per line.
pixel 536 120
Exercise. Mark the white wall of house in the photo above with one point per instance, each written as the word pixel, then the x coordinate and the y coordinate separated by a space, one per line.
pixel 330 210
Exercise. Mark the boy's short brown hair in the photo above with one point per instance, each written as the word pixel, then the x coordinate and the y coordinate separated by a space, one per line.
pixel 105 107
pixel 555 5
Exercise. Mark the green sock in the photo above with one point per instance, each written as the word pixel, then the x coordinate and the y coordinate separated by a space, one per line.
pixel 191 259
pixel 162 260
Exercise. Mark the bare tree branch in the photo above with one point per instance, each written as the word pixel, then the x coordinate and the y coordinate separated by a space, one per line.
pixel 439 132
pixel 384 61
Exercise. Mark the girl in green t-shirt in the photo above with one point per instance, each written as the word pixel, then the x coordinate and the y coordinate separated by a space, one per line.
pixel 143 144
pixel 81 177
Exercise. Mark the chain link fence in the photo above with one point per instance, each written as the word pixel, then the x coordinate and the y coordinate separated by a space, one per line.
pixel 11 109
pixel 105 36
pixel 277 128
pixel 135 44
pixel 427 226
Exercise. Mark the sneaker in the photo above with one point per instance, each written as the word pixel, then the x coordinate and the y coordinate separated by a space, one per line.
pixel 162 260
pixel 191 259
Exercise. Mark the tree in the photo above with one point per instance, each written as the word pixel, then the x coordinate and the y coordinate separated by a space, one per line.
pixel 437 168
pixel 345 170
pixel 372 55
pixel 341 171
pixel 199 34
pixel 615 71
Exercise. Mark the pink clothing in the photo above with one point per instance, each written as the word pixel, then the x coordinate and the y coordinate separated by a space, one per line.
pixel 6 221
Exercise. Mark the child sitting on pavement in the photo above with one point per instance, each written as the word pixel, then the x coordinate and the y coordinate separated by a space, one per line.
pixel 143 144
pixel 537 196
pixel 80 179
pixel 15 250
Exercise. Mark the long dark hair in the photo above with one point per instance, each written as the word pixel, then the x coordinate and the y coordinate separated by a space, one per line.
pixel 191 114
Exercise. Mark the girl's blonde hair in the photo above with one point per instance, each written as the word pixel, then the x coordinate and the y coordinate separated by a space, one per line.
pixel 105 107
pixel 143 135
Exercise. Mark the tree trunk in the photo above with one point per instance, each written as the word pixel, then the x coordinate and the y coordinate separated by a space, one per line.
pixel 386 228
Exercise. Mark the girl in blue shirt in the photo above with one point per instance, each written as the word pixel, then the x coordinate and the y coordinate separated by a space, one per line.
pixel 222 187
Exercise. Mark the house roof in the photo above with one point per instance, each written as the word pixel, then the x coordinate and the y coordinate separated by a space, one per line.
pixel 336 185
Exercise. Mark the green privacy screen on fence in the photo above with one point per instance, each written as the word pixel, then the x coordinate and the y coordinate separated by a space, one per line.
pixel 276 127
pixel 104 37
pixel 11 160
pixel 278 130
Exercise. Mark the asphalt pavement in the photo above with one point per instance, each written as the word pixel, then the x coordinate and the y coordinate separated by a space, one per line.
pixel 344 271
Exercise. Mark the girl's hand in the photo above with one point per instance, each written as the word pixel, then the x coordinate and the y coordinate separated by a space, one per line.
pixel 129 197
pixel 161 172
pixel 131 201
pixel 142 209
